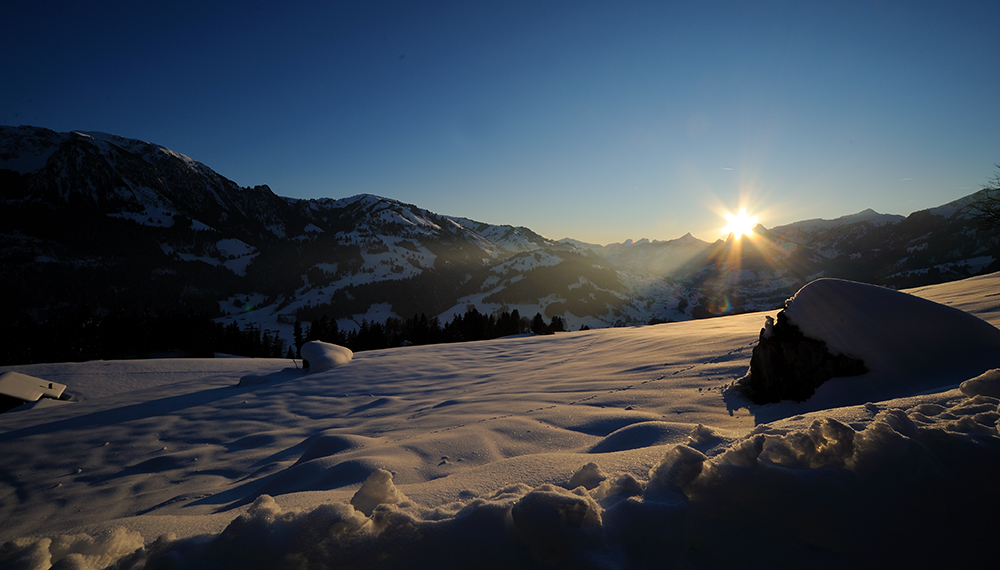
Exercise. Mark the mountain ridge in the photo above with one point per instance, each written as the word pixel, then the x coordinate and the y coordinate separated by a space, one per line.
pixel 126 223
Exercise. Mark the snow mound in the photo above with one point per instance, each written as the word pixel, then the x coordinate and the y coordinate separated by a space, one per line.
pixel 986 384
pixel 377 489
pixel 324 356
pixel 643 434
pixel 588 476
pixel 909 344
pixel 81 551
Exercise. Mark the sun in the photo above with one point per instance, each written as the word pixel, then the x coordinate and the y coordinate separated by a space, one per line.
pixel 741 224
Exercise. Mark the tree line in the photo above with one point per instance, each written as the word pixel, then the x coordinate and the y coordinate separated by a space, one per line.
pixel 422 330
pixel 122 334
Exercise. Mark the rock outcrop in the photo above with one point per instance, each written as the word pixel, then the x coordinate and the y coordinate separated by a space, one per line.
pixel 787 365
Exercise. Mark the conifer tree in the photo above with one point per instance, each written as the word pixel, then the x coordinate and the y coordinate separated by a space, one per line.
pixel 297 338
pixel 538 325
pixel 987 206
pixel 558 324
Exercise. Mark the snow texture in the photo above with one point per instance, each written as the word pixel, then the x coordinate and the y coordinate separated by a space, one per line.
pixel 614 448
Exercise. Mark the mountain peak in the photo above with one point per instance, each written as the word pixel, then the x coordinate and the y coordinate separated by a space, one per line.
pixel 867 215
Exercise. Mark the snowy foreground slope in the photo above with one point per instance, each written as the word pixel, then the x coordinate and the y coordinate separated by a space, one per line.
pixel 607 448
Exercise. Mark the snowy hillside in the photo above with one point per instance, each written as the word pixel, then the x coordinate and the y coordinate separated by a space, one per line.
pixel 613 448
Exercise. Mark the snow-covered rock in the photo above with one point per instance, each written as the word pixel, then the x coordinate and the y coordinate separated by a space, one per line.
pixel 324 356
pixel 787 365
pixel 908 344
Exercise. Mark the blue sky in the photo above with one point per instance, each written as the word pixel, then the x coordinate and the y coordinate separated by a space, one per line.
pixel 600 121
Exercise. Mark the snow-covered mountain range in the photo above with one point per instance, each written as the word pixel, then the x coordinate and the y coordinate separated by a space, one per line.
pixel 96 222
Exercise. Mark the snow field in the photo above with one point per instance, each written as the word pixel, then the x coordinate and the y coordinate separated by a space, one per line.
pixel 600 449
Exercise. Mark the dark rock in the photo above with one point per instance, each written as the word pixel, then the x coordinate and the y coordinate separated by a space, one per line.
pixel 787 365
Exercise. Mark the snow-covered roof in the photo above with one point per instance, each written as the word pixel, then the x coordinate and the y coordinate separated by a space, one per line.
pixel 28 388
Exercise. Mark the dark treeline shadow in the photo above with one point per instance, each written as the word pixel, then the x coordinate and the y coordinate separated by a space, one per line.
pixel 84 335
pixel 421 330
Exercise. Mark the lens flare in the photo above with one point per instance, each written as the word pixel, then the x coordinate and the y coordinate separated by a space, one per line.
pixel 720 306
pixel 741 224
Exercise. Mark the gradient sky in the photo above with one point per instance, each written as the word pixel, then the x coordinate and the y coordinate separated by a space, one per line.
pixel 600 121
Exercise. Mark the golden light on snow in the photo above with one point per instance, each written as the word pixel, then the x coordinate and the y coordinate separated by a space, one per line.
pixel 740 224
